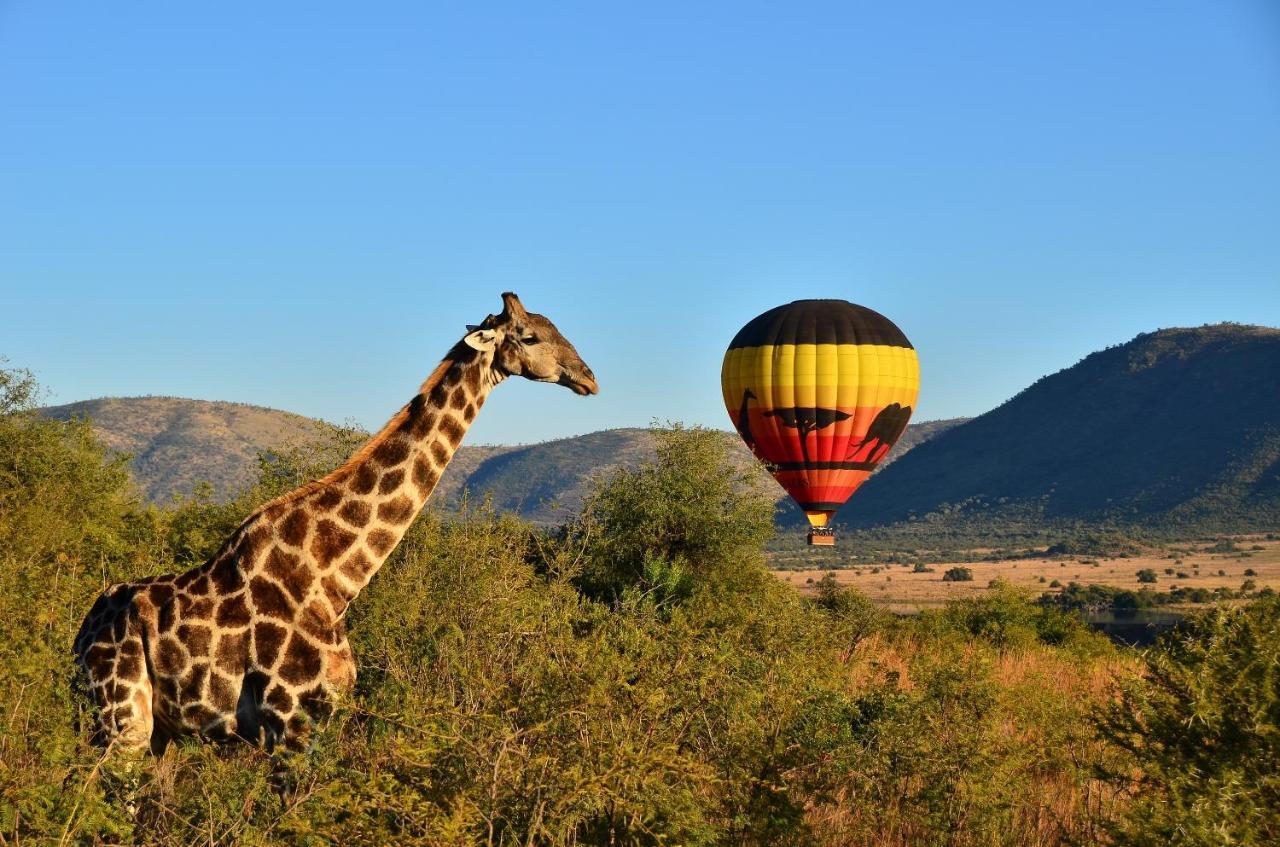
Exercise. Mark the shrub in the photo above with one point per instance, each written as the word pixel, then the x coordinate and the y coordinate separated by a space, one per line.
pixel 1147 575
pixel 958 574
pixel 1201 731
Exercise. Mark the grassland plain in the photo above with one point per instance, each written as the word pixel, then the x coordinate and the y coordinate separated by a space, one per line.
pixel 1189 564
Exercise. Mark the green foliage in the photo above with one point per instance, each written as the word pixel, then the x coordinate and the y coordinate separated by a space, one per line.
pixel 1203 727
pixel 638 679
pixel 958 574
pixel 691 507
pixel 1148 575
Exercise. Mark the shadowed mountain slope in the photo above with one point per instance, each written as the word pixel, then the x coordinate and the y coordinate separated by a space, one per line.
pixel 1178 429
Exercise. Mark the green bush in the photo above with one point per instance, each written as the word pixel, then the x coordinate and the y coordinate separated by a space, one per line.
pixel 958 574
pixel 1147 575
pixel 1202 728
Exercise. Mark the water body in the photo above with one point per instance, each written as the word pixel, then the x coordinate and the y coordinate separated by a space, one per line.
pixel 1134 627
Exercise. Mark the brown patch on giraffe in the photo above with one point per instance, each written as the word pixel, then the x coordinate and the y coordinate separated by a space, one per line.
pixel 473 379
pixel 170 657
pixel 293 530
pixel 269 599
pixel 458 399
pixel 168 688
pixel 194 681
pixel 232 651
pixel 198 714
pixel 184 580
pixel 330 542
pixel 423 423
pixel 328 498
pixel 355 512
pixel 424 476
pixel 261 534
pixel 233 613
pixel 301 660
pixel 396 512
pixel 222 694
pixel 168 617
pixel 316 622
pixel 339 596
pixel 268 638
pixel 226 577
pixel 99 660
pixel 469 413
pixel 197 638
pixel 393 451
pixel 452 430
pixel 280 699
pixel 439 396
pixel 199 607
pixel 357 567
pixel 363 480
pixel 160 593
pixel 390 481
pixel 381 541
pixel 439 454
pixel 290 571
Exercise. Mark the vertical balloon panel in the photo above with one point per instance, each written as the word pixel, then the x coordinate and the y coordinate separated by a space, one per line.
pixel 820 391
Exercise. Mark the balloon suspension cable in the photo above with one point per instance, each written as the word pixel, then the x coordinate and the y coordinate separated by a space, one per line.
pixel 822 536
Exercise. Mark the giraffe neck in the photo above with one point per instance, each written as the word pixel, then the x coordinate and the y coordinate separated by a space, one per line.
pixel 359 513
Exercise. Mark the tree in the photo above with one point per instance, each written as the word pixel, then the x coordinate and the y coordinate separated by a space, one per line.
pixel 958 574
pixel 692 506
pixel 1147 575
pixel 1203 728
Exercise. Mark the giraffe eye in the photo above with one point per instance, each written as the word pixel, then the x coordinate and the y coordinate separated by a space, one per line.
pixel 529 339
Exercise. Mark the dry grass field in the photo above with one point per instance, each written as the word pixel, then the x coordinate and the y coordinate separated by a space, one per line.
pixel 901 589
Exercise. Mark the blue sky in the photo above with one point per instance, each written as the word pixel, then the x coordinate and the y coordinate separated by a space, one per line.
pixel 301 205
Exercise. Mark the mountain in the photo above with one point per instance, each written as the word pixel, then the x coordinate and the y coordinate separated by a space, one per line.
pixel 1178 429
pixel 178 443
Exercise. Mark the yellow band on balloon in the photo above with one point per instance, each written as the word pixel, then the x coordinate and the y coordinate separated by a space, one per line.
pixel 825 375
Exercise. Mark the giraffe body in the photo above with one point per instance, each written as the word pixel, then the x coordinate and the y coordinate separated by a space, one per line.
pixel 251 644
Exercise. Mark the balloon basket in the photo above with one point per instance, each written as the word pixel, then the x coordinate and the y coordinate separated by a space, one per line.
pixel 822 536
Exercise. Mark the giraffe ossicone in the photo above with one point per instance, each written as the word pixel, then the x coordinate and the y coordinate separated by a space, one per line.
pixel 252 644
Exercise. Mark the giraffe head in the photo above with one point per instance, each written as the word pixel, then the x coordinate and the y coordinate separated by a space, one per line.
pixel 528 345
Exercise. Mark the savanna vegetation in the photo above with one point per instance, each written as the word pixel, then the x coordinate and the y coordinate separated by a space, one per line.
pixel 636 677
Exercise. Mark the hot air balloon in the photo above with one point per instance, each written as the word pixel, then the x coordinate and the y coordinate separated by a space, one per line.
pixel 820 390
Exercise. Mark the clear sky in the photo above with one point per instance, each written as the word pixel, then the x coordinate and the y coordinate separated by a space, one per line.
pixel 300 205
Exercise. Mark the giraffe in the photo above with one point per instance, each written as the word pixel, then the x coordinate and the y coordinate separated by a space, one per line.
pixel 251 645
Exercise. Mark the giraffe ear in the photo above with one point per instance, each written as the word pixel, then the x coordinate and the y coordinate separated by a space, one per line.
pixel 481 339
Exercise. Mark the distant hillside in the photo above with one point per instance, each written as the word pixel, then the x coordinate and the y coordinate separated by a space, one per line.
pixel 1178 428
pixel 178 443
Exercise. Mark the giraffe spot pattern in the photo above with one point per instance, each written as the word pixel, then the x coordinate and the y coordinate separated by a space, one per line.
pixel 381 541
pixel 233 613
pixel 355 512
pixel 397 511
pixel 364 479
pixel 390 481
pixel 268 638
pixel 452 430
pixel 330 541
pixel 290 571
pixel 293 531
pixel 301 660
pixel 269 599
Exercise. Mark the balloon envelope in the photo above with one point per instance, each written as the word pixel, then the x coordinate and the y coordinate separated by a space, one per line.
pixel 820 390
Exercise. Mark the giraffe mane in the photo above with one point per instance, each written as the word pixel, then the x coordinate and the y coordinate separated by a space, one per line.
pixel 342 471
